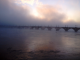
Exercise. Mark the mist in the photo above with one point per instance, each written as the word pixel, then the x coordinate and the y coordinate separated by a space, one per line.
pixel 15 14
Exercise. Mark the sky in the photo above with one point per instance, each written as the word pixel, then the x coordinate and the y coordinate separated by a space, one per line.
pixel 40 12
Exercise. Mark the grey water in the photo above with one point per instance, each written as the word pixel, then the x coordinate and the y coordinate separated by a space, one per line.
pixel 16 43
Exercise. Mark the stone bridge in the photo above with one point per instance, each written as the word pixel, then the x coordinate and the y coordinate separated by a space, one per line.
pixel 44 27
pixel 50 28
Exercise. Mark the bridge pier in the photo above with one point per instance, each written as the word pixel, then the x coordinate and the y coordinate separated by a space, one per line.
pixel 42 28
pixel 32 27
pixel 75 29
pixel 37 27
pixel 66 28
pixel 57 28
pixel 26 27
pixel 49 28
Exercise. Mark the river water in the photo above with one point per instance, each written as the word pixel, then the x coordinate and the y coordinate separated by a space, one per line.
pixel 39 44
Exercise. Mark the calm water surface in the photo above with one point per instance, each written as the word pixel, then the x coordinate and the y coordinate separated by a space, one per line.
pixel 27 40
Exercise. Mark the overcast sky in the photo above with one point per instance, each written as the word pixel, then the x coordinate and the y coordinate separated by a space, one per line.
pixel 40 12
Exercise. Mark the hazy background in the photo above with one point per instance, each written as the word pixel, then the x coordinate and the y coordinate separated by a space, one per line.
pixel 40 12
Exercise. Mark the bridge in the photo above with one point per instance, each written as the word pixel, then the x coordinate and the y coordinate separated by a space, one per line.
pixel 57 28
pixel 44 27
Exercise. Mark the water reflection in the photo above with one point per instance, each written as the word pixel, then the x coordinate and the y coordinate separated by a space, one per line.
pixel 39 43
pixel 70 44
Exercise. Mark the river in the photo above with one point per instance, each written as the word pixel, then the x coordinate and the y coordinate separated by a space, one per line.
pixel 39 44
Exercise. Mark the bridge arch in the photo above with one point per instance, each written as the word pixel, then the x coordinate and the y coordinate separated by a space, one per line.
pixel 79 30
pixel 61 29
pixel 71 30
pixel 57 28
pixel 49 28
pixel 76 29
pixel 53 29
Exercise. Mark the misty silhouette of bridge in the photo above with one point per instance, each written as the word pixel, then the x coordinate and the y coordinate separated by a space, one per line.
pixel 57 28
pixel 44 27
